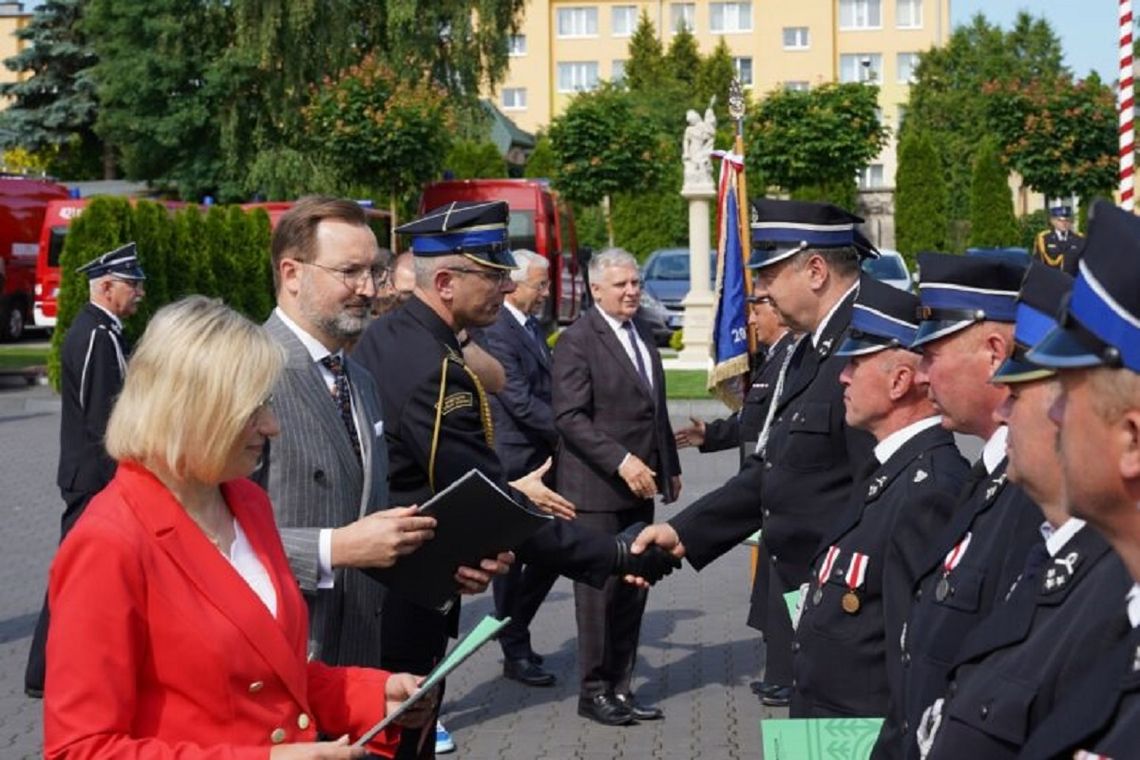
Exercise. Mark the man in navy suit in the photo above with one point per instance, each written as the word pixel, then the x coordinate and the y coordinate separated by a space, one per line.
pixel 525 438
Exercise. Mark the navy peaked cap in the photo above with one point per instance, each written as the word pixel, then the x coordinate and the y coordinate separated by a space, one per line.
pixel 1061 212
pixel 957 291
pixel 1100 324
pixel 784 228
pixel 123 263
pixel 884 317
pixel 475 229
pixel 1043 291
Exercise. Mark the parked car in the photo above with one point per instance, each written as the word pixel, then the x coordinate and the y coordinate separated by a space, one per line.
pixel 654 314
pixel 665 276
pixel 890 267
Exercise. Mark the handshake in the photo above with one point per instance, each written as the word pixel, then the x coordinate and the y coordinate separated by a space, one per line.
pixel 650 566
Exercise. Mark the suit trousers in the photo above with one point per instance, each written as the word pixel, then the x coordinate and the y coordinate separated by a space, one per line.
pixel 519 594
pixel 76 502
pixel 609 619
pixel 778 633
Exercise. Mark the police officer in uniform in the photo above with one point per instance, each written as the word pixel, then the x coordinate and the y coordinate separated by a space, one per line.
pixel 799 481
pixel 860 589
pixel 968 310
pixel 438 420
pixel 93 361
pixel 1018 663
pixel 1059 246
pixel 1096 352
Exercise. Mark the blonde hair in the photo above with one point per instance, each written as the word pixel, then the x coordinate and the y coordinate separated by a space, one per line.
pixel 199 372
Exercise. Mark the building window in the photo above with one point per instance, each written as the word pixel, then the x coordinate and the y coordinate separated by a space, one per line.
pixel 906 63
pixel 623 20
pixel 860 14
pixel 617 70
pixel 796 38
pixel 796 86
pixel 577 76
pixel 683 15
pixel 871 177
pixel 908 14
pixel 516 45
pixel 514 98
pixel 743 70
pixel 861 67
pixel 577 22
pixel 730 17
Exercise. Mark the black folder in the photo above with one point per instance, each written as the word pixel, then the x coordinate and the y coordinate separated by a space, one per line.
pixel 475 519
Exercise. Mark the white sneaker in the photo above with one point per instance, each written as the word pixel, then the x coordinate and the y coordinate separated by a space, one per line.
pixel 443 741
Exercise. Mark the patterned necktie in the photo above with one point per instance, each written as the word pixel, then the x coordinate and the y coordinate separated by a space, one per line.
pixel 343 398
pixel 628 327
pixel 762 443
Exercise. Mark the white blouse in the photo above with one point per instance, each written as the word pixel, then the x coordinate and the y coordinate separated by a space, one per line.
pixel 249 567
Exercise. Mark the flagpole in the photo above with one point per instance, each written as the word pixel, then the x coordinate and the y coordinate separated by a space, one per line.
pixel 736 113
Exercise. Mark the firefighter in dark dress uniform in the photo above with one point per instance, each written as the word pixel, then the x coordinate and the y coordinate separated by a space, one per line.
pixel 859 594
pixel 93 361
pixel 1096 352
pixel 1059 246
pixel 1016 664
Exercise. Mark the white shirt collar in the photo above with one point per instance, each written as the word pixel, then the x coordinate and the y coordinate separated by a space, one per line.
pixel 831 313
pixel 1134 605
pixel 994 451
pixel 1056 538
pixel 118 322
pixel 889 446
pixel 518 315
pixel 315 348
pixel 615 324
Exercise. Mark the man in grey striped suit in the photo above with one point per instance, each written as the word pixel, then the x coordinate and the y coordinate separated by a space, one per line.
pixel 327 473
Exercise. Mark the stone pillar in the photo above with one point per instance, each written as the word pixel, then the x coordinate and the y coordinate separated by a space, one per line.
pixel 698 303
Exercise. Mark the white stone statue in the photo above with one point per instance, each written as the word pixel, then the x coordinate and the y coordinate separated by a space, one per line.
pixel 697 145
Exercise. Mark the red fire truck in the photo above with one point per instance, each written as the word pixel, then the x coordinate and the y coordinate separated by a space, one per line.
pixel 23 201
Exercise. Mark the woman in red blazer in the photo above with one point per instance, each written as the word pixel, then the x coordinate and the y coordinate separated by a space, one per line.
pixel 177 629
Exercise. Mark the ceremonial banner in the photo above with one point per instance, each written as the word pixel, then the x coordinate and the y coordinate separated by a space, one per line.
pixel 819 738
pixel 730 328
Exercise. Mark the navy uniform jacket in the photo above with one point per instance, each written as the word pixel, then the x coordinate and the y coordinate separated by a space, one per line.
pixel 524 422
pixel 1003 523
pixel 1020 661
pixel 407 352
pixel 1062 254
pixel 91 375
pixel 841 659
pixel 801 487
pixel 743 427
pixel 1101 712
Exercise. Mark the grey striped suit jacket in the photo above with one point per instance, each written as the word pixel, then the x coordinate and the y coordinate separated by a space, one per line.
pixel 315 481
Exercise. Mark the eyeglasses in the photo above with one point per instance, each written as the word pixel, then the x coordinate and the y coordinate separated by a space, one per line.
pixel 539 286
pixel 265 405
pixel 497 276
pixel 355 278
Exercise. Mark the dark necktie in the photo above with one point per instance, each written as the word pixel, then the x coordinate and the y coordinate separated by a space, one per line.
pixel 628 327
pixel 535 333
pixel 978 474
pixel 343 398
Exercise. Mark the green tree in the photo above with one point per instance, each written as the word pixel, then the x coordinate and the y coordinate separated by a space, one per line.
pixel 471 159
pixel 992 223
pixel 714 74
pixel 382 132
pixel 645 67
pixel 541 163
pixel 603 148
pixel 155 103
pixel 683 61
pixel 921 221
pixel 154 237
pixel 53 103
pixel 655 216
pixel 1061 138
pixel 819 138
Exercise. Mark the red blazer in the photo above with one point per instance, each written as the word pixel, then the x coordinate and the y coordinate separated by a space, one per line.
pixel 159 649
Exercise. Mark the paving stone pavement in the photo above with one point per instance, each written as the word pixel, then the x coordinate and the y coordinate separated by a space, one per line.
pixel 697 656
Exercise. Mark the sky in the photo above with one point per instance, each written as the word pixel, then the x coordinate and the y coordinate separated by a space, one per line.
pixel 1088 28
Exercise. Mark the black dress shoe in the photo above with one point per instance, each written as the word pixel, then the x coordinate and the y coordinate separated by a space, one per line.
pixel 638 711
pixel 759 687
pixel 777 696
pixel 525 671
pixel 604 709
pixel 535 658
pixel 33 692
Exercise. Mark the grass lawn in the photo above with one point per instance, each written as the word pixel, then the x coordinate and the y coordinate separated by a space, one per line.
pixel 686 383
pixel 18 356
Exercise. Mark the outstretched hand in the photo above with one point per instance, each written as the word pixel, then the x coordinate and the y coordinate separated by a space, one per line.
pixel 544 497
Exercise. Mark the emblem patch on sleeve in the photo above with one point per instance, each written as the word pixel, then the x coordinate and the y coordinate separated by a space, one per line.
pixel 460 400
